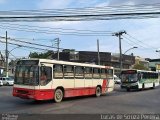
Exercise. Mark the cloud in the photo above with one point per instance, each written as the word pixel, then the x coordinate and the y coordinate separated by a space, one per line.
pixel 54 4
pixel 60 4
pixel 2 1
pixel 131 2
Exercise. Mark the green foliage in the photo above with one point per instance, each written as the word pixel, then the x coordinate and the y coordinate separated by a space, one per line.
pixel 41 55
pixel 140 67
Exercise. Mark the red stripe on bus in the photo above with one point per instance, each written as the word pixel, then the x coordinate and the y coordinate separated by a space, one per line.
pixel 105 86
pixel 46 94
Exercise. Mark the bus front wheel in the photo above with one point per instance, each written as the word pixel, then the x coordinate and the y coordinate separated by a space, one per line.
pixel 58 95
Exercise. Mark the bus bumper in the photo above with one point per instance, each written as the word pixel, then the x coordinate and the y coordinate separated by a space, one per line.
pixel 129 86
pixel 33 94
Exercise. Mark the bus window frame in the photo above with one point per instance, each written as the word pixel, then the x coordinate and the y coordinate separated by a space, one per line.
pixel 62 71
pixel 75 76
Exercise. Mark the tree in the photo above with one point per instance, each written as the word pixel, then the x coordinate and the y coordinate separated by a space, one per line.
pixel 41 55
pixel 140 67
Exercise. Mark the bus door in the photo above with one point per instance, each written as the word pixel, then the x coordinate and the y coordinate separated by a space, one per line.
pixel 45 76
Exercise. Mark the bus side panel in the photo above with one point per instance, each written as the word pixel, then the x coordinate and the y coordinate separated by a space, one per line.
pixel 66 84
pixel 97 82
pixel 82 87
pixel 79 92
pixel 79 83
pixel 104 85
pixel 139 85
pixel 89 85
pixel 157 84
pixel 110 86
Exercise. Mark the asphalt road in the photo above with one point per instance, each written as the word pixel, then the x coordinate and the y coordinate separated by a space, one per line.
pixel 118 102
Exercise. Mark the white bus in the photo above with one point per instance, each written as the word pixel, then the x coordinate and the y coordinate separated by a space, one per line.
pixel 139 79
pixel 43 79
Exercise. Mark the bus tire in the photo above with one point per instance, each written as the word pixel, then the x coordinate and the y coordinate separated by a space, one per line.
pixel 153 86
pixel 58 95
pixel 98 91
pixel 143 86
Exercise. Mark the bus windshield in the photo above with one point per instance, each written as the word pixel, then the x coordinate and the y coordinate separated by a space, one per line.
pixel 27 75
pixel 128 77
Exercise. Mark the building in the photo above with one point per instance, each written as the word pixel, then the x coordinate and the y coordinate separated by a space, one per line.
pixel 142 61
pixel 106 58
pixel 127 62
pixel 84 57
pixel 153 64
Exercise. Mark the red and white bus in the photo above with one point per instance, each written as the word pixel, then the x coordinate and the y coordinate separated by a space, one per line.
pixel 43 79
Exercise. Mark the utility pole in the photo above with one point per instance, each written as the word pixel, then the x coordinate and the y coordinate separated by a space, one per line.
pixel 119 34
pixel 57 42
pixel 6 56
pixel 98 52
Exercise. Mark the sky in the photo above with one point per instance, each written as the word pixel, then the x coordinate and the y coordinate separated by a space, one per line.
pixel 145 31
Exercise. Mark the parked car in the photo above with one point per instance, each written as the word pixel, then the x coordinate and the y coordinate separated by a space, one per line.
pixel 7 80
pixel 117 80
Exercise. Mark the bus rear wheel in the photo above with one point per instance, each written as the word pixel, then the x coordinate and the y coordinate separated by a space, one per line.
pixel 153 86
pixel 98 91
pixel 58 95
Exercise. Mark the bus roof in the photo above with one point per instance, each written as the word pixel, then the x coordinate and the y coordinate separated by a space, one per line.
pixel 140 70
pixel 70 63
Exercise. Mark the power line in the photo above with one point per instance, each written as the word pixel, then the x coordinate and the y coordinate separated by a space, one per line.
pixel 87 9
pixel 51 28
pixel 82 17
pixel 24 46
pixel 83 14
pixel 54 32
pixel 141 41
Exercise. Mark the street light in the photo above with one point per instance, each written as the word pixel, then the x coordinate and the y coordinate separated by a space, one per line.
pixel 126 52
pixel 129 49
pixel 7 58
pixel 14 48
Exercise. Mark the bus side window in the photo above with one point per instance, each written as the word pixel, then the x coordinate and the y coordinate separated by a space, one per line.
pixel 103 73
pixel 88 73
pixel 58 71
pixel 110 73
pixel 96 73
pixel 68 71
pixel 79 72
pixel 46 75
pixel 139 75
